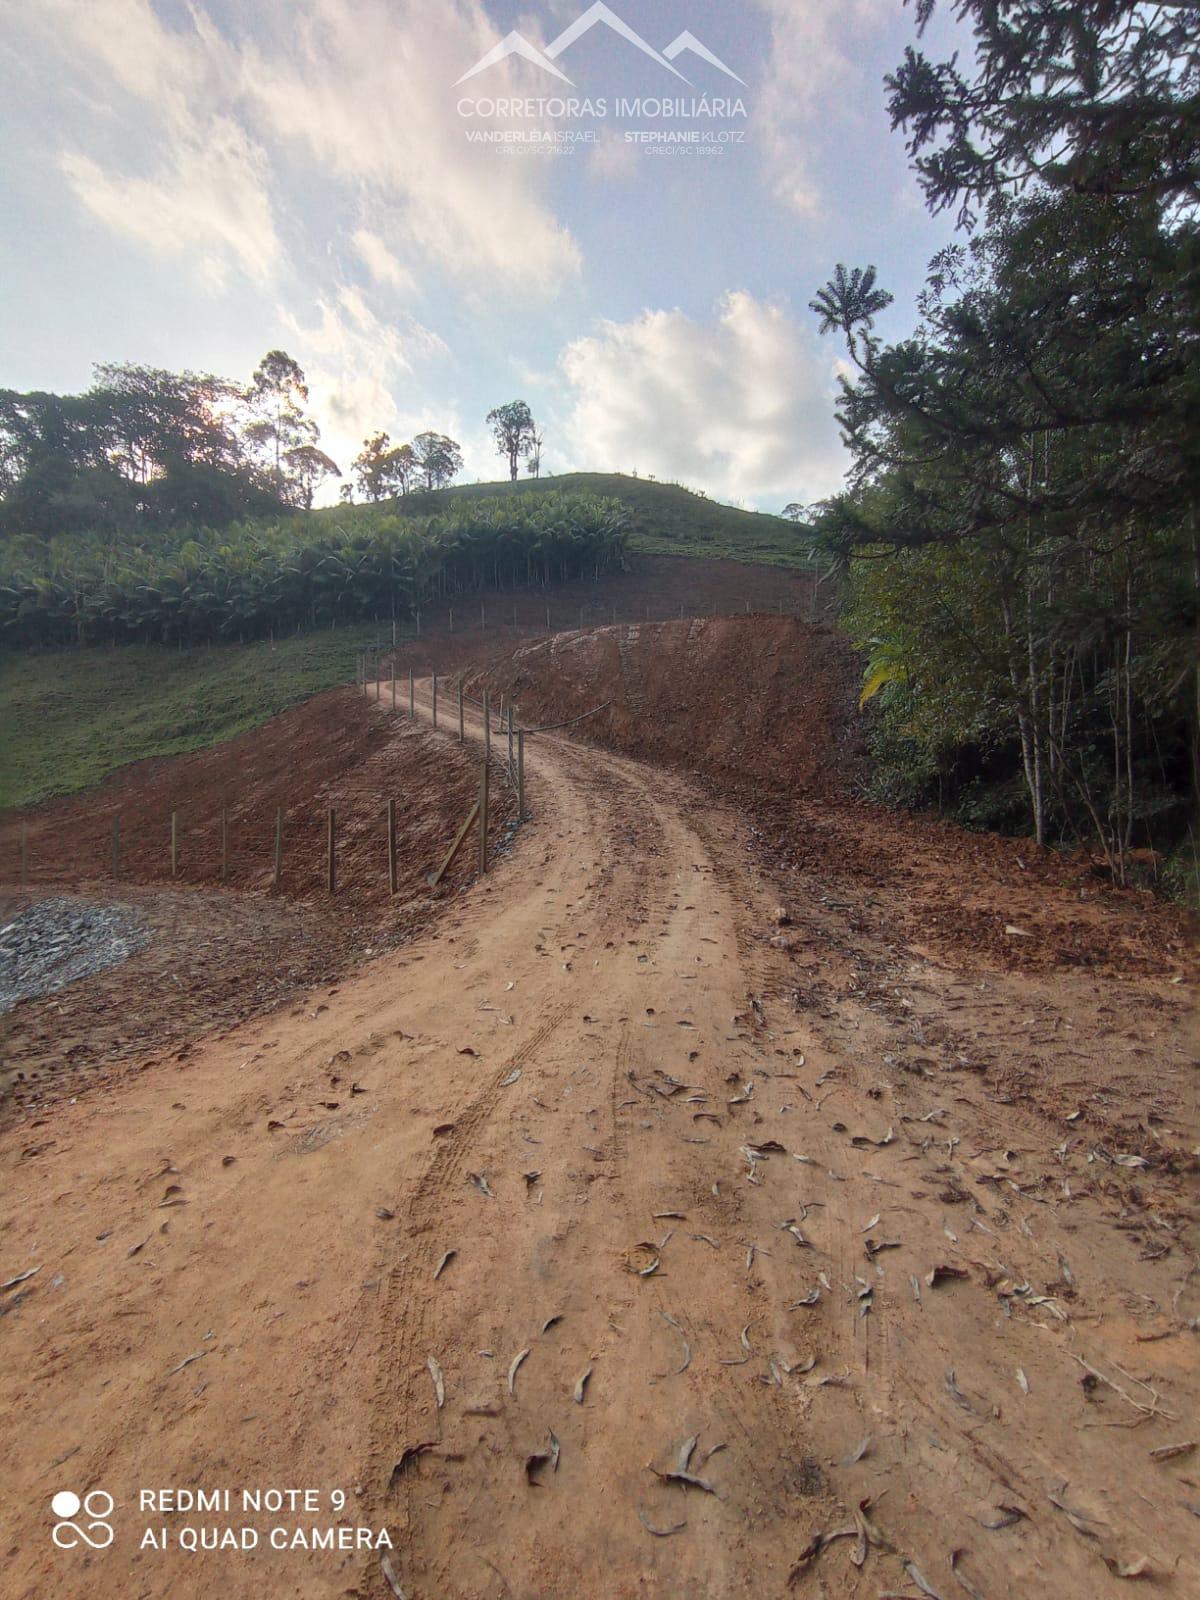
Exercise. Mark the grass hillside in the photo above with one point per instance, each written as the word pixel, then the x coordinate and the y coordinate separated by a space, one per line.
pixel 67 719
pixel 665 519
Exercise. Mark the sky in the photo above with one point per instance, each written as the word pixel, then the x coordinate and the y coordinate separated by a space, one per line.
pixel 620 220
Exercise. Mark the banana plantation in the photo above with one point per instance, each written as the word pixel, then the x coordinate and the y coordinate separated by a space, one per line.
pixel 330 567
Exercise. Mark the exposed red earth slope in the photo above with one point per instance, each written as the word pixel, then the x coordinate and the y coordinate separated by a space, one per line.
pixel 765 709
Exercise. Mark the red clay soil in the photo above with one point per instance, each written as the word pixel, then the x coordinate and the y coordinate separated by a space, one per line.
pixel 225 952
pixel 765 709
pixel 338 749
pixel 756 700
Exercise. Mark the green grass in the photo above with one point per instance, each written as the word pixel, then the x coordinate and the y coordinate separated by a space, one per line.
pixel 69 719
pixel 665 518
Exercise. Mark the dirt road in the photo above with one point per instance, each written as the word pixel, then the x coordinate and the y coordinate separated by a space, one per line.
pixel 589 1258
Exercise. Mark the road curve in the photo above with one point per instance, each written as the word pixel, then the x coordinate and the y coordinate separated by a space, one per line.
pixel 574 1160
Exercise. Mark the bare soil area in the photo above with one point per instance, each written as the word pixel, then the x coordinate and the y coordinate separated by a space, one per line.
pixel 218 957
pixel 679 1214
pixel 650 588
pixel 765 711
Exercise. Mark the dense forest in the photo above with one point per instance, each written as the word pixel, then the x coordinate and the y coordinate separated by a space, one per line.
pixel 146 449
pixel 1019 539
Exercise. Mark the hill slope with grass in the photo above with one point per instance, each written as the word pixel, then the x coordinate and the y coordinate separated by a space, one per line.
pixel 69 718
pixel 665 518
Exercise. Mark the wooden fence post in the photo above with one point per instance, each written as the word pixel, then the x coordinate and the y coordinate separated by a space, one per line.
pixel 393 683
pixel 482 615
pixel 451 619
pixel 174 844
pixel 412 700
pixel 224 843
pixel 510 737
pixel 331 858
pixel 379 680
pixel 461 729
pixel 116 846
pixel 487 726
pixel 435 699
pixel 434 878
pixel 483 815
pixel 391 838
pixel 547 619
pixel 278 847
pixel 521 775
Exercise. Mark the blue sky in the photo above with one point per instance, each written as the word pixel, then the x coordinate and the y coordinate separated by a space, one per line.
pixel 190 185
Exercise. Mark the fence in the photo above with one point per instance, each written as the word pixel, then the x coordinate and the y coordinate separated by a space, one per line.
pixel 226 850
pixel 268 845
pixel 530 616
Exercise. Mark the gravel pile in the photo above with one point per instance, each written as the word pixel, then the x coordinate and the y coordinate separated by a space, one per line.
pixel 58 941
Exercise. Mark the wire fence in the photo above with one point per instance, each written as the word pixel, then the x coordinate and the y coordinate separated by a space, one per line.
pixel 274 845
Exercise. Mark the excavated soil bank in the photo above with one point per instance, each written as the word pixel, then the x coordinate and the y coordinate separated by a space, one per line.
pixel 224 951
pixel 765 711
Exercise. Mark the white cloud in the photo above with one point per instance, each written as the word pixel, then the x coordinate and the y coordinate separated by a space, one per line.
pixel 206 196
pixel 740 406
pixel 359 90
pixel 612 156
pixel 208 202
pixel 354 362
pixel 815 61
pixel 379 260
pixel 365 88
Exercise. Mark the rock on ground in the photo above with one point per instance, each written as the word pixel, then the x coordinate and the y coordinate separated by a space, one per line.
pixel 60 940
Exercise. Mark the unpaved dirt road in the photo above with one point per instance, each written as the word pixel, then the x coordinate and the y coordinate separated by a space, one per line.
pixel 583 1157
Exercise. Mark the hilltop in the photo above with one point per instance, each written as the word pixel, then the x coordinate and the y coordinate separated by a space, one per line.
pixel 665 518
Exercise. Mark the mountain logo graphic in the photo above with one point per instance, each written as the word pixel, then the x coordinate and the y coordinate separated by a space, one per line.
pixel 515 44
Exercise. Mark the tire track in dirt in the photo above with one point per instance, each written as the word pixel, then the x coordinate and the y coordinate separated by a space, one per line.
pixel 402 1341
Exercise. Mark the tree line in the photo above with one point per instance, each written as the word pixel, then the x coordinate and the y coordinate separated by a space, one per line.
pixel 259 578
pixel 384 471
pixel 147 449
pixel 1019 536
